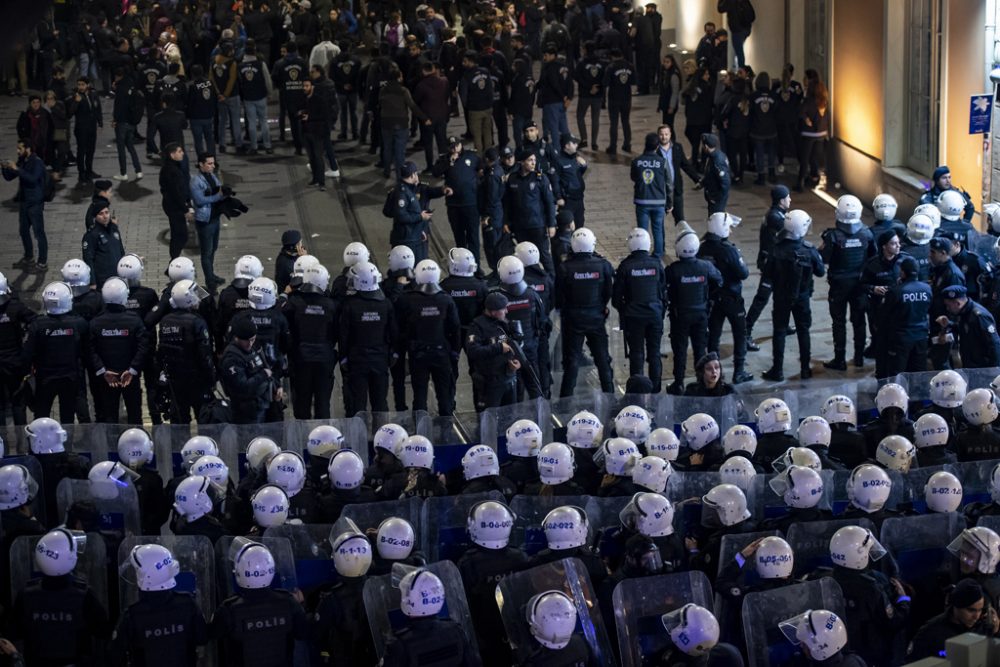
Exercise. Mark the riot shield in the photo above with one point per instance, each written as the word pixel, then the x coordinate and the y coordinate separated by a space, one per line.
pixel 684 487
pixel 89 441
pixel 603 512
pixel 91 565
pixel 38 508
pixel 673 410
pixel 530 512
pixel 839 501
pixel 771 505
pixel 735 543
pixel 991 522
pixel 980 378
pixel 382 604
pixel 807 401
pixel 763 611
pixel 196 557
pixel 748 397
pixel 284 564
pixel 811 542
pixel 864 401
pixel 443 525
pixel 913 488
pixel 562 410
pixel 283 434
pixel 15 440
pixel 975 478
pixel 311 553
pixel 639 603
pixel 648 402
pixel 451 437
pixel 170 439
pixel 368 517
pixel 920 544
pixel 918 387
pixel 373 421
pixel 117 505
pixel 495 421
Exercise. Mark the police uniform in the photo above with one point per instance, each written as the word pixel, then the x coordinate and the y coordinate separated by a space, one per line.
pixel 619 78
pixel 246 383
pixel 652 192
pixel 589 77
pixel 847 445
pixel 903 326
pixel 185 355
pixel 429 641
pixel 259 628
pixel 942 276
pixel 333 503
pixel 289 73
pixel 689 281
pixel 55 347
pixel 408 226
pixel 430 328
pixel 102 248
pixel 640 297
pixel 273 342
pixel 846 252
pixel 461 174
pixel 583 289
pixel 161 629
pixel 529 210
pixel 571 184
pixel 494 379
pixel 774 223
pixel 879 272
pixel 119 343
pixel 367 334
pixel 15 317
pixel 232 299
pixel 717 178
pixel 525 307
pixel 141 301
pixel 575 654
pixel 978 342
pixel 491 213
pixel 977 272
pixel 482 569
pixel 727 301
pixel 921 253
pixel 791 270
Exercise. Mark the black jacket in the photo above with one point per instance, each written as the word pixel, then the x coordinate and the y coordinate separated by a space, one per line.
pixel 175 188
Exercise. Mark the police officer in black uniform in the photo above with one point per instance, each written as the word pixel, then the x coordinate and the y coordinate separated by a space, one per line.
pixel 773 225
pixel 978 342
pixel 491 214
pixel 232 299
pixel 881 274
pixel 589 77
pixel 525 310
pixel 544 152
pixel 717 178
pixel 944 274
pixel 185 352
pixel 152 69
pixel 465 289
pixel 529 207
pixel 461 169
pixel 640 297
pixel 367 333
pixel 410 216
pixel 940 182
pixel 903 322
pixel 583 290
pixel 976 269
pixel 103 247
pixel 245 376
pixel 570 168
pixel 15 317
pixel 284 263
pixel 119 348
pixel 289 73
pixel 494 369
pixel 312 324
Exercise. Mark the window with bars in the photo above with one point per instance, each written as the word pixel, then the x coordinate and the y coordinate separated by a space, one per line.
pixel 922 84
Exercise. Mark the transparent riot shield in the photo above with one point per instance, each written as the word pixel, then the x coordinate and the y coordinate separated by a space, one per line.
pixel 913 488
pixel 495 421
pixel 368 517
pixel 864 401
pixel 15 440
pixel 991 522
pixel 451 437
pixel 748 397
pixel 603 512
pixel 284 564
pixel 839 501
pixel 980 378
pixel 735 543
pixel 530 512
pixel 648 402
pixel 771 505
pixel 811 542
pixel 639 603
pixel 170 439
pixel 443 524
pixel 920 545
pixel 117 505
pixel 918 387
pixel 807 401
pixel 382 604
pixel 91 565
pixel 372 421
pixel 763 611
pixel 568 576
pixel 564 409
pixel 38 508
pixel 975 478
pixel 685 490
pixel 675 409
pixel 312 553
pixel 194 554
pixel 283 434
pixel 89 441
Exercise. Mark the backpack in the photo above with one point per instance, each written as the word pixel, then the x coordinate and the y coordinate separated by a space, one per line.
pixel 746 12
pixel 392 35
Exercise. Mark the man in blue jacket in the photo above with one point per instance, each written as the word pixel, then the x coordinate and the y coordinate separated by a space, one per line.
pixel 206 190
pixel 30 172
pixel 653 188
pixel 529 209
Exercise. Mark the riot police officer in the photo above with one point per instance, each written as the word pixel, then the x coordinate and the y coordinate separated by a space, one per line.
pixel 980 439
pixel 120 347
pixel 481 473
pixel 47 442
pixel 770 228
pixel 978 342
pixel 15 317
pixel 345 474
pixel 941 183
pixel 952 204
pixel 551 621
pixel 583 290
pixel 846 249
pixel 180 268
pixel 791 269
pixel 884 207
pixel 273 339
pixel 640 297
pixel 247 379
pixel 185 351
pixel 367 334
pixel 543 283
pixel 903 323
pixel 142 300
pixel 881 273
pixel 525 310
pixel 494 369
pixel 312 325
pixel 916 243
pixel 566 534
pixel 234 297
pixel 135 450
pixel 194 501
pixel 466 290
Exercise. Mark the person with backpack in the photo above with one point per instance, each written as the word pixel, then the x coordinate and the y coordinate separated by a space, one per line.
pixel 34 185
pixel 130 105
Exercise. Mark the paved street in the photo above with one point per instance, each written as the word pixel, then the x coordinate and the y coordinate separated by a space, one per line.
pixel 274 187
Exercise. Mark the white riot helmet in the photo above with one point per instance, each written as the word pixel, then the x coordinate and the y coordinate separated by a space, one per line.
pixel 551 619
pixel 854 547
pixel 461 262
pixel 722 224
pixel 345 470
pixel 356 253
pixel 427 272
pixel 114 291
pixel 585 431
pixel 652 472
pixel 797 224
pixel 401 258
pixel 773 416
pixel 943 492
pixel 192 498
pixel 895 452
pixel 699 430
pixel 839 409
pixel 948 389
pixel 479 461
pixel 814 431
pixel 510 270
pixel 186 295
pixel 687 245
pixel 288 471
pixel 4 289
pixel 135 448
pixel 527 252
pixel 728 502
pixel 352 554
pixel 417 452
pixel 46 436
pixel 868 488
pixel 253 563
pixel 181 268
pixel 617 456
pixel 324 440
pixel 774 558
pixel 978 548
pixel 196 447
pixel 849 213
pixel 979 407
pixel 270 506
pixel 884 206
pixel 394 539
pixel 524 438
pixel 262 293
pixel 633 422
pixel 260 451
pixel 57 299
pixel 155 567
pixel 215 469
pixel 739 438
pixel 17 487
pixel 556 463
pixel 57 551
pixel 565 527
pixel 107 478
pixel 390 437
pixel 317 276
pixel 247 268
pixel 638 239
pixel 421 594
pixel 76 274
pixel 302 263
pixel 738 471
pixel 583 240
pixel 130 269
pixel 951 203
pixel 692 629
pixel 798 486
pixel 932 212
pixel 651 514
pixel 663 442
pixel 820 631
pixel 992 213
pixel 920 229
pixel 490 523
pixel 891 395
pixel 797 456
pixel 930 430
pixel 364 276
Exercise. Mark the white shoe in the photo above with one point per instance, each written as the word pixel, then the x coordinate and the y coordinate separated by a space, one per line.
pixel 781 168
pixel 120 177
pixel 330 173
pixel 138 175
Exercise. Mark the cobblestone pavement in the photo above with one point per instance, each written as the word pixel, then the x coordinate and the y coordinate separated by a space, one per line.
pixel 275 189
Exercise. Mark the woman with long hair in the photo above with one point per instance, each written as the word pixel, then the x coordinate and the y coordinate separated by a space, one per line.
pixel 698 105
pixel 814 129
pixel 670 89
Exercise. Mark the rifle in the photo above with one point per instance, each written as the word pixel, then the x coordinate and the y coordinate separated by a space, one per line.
pixel 515 336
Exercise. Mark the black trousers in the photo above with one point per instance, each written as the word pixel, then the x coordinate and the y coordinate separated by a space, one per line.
pixel 433 364
pixel 63 388
pixel 684 327
pixel 540 237
pixel 729 307
pixel 643 338
pixel 184 397
pixel 846 294
pixel 503 129
pixel 317 164
pixel 494 391
pixel 575 206
pixel 110 398
pixel 593 104
pixel 464 221
pixel 312 386
pixel 905 357
pixel 623 111
pixel 760 300
pixel 86 146
pixel 398 373
pixel 799 310
pixel 368 375
pixel 596 335
pixel 178 234
pixel 10 381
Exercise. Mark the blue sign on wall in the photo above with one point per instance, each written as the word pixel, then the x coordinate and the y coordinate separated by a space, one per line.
pixel 980 113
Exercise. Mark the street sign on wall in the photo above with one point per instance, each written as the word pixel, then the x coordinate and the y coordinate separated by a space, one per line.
pixel 980 113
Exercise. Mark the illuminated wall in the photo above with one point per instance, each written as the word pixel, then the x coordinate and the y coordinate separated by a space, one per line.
pixel 857 101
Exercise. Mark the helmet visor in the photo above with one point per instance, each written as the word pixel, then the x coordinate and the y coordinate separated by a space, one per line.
pixel 875 548
pixel 790 626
